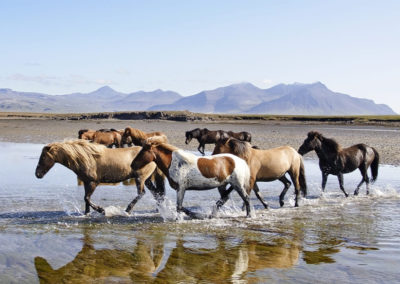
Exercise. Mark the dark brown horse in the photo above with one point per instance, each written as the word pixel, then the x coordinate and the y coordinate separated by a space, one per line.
pixel 242 136
pixel 205 136
pixel 337 161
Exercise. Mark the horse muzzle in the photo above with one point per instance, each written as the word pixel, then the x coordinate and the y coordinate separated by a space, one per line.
pixel 39 174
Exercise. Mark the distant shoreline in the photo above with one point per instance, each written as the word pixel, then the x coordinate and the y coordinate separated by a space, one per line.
pixel 186 116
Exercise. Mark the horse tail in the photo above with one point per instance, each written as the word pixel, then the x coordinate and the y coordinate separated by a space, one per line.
pixel 375 165
pixel 302 178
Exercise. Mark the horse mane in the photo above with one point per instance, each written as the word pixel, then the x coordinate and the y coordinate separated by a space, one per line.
pixel 239 148
pixel 160 141
pixel 330 143
pixel 76 152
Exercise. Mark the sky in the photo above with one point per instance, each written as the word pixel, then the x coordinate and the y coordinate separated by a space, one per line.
pixel 61 47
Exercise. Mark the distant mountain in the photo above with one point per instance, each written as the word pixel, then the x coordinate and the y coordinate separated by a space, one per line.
pixel 317 99
pixel 101 100
pixel 306 99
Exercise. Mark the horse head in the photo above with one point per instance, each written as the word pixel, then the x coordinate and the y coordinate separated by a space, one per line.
pixel 46 162
pixel 312 142
pixel 145 156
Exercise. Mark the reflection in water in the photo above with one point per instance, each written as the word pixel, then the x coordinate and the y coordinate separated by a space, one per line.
pixel 150 260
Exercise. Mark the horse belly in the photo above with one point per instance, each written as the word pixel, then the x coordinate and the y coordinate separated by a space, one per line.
pixel 190 178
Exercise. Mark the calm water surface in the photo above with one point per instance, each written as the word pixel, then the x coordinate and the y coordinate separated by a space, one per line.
pixel 328 239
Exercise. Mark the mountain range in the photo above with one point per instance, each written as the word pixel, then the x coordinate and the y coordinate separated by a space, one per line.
pixel 296 99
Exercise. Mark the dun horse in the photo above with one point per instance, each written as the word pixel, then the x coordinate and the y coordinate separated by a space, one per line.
pixel 94 164
pixel 186 171
pixel 137 137
pixel 335 160
pixel 267 165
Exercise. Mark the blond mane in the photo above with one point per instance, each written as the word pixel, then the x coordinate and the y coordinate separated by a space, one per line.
pixel 239 148
pixel 160 141
pixel 76 152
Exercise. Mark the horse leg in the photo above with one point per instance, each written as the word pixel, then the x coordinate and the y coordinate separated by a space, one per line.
pixel 324 180
pixel 242 193
pixel 224 195
pixel 340 178
pixel 365 178
pixel 141 192
pixel 259 195
pixel 201 148
pixel 287 184
pixel 89 189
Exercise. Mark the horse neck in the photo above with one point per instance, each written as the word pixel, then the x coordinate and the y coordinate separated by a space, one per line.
pixel 163 159
pixel 63 159
pixel 325 152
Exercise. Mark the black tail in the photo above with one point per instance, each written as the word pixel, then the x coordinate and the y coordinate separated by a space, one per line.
pixel 375 165
pixel 302 179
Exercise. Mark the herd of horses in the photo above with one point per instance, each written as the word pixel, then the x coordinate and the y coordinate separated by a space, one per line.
pixel 150 159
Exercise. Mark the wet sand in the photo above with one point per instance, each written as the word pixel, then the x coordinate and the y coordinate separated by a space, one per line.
pixel 266 134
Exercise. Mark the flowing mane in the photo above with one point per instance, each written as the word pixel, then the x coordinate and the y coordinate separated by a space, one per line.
pixel 239 148
pixel 76 152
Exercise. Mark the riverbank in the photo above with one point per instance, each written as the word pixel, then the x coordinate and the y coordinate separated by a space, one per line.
pixel 266 133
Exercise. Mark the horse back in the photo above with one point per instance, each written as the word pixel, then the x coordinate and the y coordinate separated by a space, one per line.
pixel 274 163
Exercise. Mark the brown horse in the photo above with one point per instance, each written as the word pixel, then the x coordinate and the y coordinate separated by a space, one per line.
pixel 107 138
pixel 86 134
pixel 242 136
pixel 94 164
pixel 205 136
pixel 267 165
pixel 186 171
pixel 137 137
pixel 335 160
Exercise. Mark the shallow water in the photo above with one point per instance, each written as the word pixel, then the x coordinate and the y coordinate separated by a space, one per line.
pixel 329 238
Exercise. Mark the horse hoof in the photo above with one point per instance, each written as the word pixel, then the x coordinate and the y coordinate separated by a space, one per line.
pixel 281 203
pixel 346 195
pixel 355 192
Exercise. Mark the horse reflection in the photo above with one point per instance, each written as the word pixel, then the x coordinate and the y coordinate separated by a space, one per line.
pixel 227 262
pixel 105 265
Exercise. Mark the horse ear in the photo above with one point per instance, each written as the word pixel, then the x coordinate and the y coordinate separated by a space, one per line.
pixel 224 139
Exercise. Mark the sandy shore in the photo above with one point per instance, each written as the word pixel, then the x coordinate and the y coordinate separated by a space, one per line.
pixel 265 134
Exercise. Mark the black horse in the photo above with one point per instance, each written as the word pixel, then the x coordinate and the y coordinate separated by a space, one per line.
pixel 337 161
pixel 205 136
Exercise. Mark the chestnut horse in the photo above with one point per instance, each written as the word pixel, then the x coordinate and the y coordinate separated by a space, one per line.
pixel 335 160
pixel 107 138
pixel 267 165
pixel 94 164
pixel 205 136
pixel 137 137
pixel 186 171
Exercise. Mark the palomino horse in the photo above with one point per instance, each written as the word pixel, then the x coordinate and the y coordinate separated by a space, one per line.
pixel 94 163
pixel 205 136
pixel 137 137
pixel 267 165
pixel 186 171
pixel 337 161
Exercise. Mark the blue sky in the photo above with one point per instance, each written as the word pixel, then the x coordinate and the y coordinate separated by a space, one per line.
pixel 60 47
